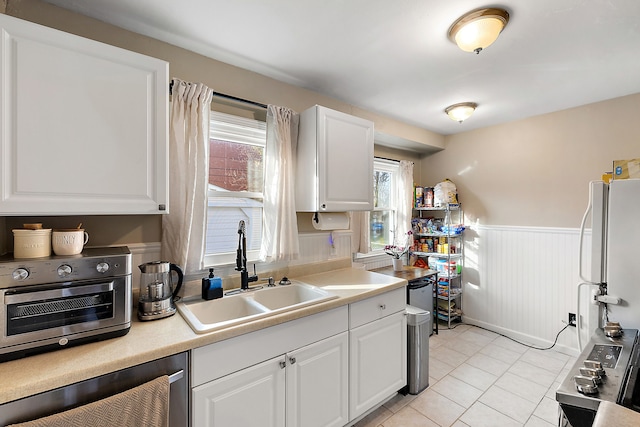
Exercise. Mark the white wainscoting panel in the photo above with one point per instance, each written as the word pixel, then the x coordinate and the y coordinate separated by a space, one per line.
pixel 522 281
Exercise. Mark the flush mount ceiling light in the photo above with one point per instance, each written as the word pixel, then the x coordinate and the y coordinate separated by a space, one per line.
pixel 478 29
pixel 461 112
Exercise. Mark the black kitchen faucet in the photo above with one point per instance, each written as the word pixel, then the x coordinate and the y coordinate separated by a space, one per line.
pixel 241 259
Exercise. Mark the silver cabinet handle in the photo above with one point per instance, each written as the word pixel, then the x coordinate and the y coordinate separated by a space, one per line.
pixel 292 360
pixel 382 306
pixel 283 364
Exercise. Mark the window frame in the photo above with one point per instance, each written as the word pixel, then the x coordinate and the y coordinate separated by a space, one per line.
pixel 392 167
pixel 237 129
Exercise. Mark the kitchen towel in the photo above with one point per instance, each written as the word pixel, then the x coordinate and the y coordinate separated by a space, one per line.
pixel 145 405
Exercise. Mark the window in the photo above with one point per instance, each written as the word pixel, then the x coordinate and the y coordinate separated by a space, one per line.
pixel 383 217
pixel 236 185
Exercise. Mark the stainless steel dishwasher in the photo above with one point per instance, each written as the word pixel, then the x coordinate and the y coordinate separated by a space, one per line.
pixel 94 389
pixel 420 295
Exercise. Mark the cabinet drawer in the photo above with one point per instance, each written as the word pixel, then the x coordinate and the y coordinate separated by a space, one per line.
pixel 377 307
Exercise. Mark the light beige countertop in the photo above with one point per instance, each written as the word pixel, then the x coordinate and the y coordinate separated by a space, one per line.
pixel 148 341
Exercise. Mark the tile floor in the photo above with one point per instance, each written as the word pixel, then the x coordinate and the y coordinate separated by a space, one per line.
pixel 479 378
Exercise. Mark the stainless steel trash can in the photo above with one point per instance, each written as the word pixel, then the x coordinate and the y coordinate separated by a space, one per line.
pixel 418 329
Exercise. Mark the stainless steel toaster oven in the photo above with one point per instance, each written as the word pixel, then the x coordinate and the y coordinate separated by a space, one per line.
pixel 59 301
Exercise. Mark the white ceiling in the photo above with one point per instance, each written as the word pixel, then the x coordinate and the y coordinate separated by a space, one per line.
pixel 394 57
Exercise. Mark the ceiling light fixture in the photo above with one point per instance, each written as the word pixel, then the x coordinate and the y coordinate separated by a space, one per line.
pixel 478 29
pixel 461 112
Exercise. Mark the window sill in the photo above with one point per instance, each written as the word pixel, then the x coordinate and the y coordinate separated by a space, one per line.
pixel 372 256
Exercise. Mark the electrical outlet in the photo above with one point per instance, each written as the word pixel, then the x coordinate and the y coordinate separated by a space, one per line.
pixel 572 319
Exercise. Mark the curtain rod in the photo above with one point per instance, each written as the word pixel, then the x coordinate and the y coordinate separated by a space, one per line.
pixel 385 158
pixel 232 98
pixel 390 160
pixel 235 98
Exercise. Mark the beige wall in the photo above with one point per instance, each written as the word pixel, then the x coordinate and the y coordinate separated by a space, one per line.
pixel 535 172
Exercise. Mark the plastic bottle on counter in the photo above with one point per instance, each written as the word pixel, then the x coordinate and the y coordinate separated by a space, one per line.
pixel 211 287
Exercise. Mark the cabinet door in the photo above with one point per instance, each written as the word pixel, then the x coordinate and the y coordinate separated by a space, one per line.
pixel 345 162
pixel 254 396
pixel 84 125
pixel 317 384
pixel 377 362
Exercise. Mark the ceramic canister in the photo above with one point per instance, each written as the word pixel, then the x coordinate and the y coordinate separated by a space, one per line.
pixel 31 243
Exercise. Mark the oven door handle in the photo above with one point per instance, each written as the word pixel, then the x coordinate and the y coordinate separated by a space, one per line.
pixel 176 376
pixel 58 293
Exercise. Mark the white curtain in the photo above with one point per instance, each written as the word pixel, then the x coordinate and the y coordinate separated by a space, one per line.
pixel 404 196
pixel 360 226
pixel 183 229
pixel 280 235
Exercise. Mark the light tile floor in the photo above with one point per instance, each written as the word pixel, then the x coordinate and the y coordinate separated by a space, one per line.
pixel 478 378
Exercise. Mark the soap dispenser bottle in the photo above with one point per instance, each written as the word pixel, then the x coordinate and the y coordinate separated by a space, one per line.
pixel 211 286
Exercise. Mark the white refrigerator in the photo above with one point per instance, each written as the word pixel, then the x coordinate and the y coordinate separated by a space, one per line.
pixel 614 256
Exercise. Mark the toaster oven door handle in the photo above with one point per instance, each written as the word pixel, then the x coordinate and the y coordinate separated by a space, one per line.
pixel 58 293
pixel 176 376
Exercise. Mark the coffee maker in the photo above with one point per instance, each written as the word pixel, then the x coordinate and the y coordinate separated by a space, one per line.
pixel 157 293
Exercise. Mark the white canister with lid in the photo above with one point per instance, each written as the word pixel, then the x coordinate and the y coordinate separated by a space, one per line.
pixel 31 243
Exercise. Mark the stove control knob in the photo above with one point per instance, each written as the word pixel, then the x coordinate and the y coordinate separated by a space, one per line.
pixel 64 270
pixel 591 373
pixel 20 274
pixel 102 267
pixel 585 385
pixel 594 364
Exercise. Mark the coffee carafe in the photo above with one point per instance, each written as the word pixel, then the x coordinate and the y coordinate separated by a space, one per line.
pixel 157 294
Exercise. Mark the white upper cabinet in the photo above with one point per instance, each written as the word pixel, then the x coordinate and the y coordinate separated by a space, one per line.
pixel 84 125
pixel 334 162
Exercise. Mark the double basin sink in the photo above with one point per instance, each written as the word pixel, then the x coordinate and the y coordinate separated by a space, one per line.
pixel 207 316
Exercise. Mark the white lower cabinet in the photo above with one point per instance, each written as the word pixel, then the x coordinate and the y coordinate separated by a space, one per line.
pixel 377 350
pixel 309 385
pixel 254 396
pixel 378 362
pixel 323 370
pixel 317 384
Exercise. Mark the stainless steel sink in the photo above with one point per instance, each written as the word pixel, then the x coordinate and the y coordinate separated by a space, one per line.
pixel 207 316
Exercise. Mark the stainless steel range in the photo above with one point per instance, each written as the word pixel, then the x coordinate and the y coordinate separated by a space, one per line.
pixel 59 301
pixel 606 370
